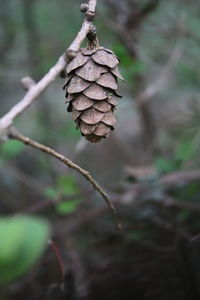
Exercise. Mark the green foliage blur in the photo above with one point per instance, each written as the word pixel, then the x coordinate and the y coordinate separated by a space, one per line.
pixel 23 240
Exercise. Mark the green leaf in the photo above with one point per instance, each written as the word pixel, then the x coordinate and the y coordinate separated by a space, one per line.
pixel 11 149
pixel 67 185
pixel 165 165
pixel 67 207
pixel 23 240
pixel 185 151
pixel 51 193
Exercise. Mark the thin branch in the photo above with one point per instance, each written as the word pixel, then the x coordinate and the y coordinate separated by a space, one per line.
pixel 13 134
pixel 180 178
pixel 160 83
pixel 59 260
pixel 32 94
pixel 85 29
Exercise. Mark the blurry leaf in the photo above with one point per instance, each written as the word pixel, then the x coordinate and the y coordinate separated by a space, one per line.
pixel 23 240
pixel 50 192
pixel 67 207
pixel 185 151
pixel 164 165
pixel 67 185
pixel 192 190
pixel 11 149
pixel 183 215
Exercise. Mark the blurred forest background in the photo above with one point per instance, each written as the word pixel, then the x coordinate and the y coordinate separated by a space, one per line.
pixel 150 165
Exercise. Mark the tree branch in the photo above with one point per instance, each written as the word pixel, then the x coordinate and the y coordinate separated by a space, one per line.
pixel 90 11
pixel 14 134
pixel 7 120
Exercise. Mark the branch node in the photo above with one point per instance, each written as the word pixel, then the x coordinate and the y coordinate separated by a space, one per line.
pixel 93 31
pixel 27 83
pixel 84 7
pixel 90 15
pixel 93 42
pixel 70 54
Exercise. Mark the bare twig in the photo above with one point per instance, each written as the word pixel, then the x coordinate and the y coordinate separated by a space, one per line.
pixel 180 178
pixel 13 134
pixel 59 259
pixel 151 90
pixel 7 120
pixel 85 29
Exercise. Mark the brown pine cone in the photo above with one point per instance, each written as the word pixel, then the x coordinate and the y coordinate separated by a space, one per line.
pixel 91 88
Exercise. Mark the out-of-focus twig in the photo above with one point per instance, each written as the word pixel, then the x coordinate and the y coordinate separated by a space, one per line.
pixel 151 90
pixel 180 178
pixel 59 259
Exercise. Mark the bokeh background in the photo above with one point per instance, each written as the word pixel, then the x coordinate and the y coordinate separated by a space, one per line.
pixel 149 165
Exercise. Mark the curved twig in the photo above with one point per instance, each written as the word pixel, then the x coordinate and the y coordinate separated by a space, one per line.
pixel 14 134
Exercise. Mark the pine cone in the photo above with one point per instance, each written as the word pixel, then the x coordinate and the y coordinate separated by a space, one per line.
pixel 91 88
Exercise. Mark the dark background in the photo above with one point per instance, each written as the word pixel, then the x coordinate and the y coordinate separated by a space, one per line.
pixel 149 165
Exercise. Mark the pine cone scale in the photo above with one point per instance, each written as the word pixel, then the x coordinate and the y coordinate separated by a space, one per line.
pixel 102 129
pixel 87 129
pixel 102 106
pixel 108 80
pixel 91 116
pixel 90 71
pixel 106 59
pixel 79 61
pixel 95 92
pixel 77 85
pixel 82 102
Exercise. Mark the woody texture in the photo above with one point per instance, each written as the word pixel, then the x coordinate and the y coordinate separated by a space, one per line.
pixel 91 91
